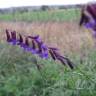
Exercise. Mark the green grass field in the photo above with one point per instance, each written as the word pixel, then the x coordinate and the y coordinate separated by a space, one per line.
pixel 57 15
pixel 19 75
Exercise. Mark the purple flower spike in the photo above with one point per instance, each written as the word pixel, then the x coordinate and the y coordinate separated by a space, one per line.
pixel 37 46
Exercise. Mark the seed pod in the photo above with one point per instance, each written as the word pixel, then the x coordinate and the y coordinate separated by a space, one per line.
pixel 13 35
pixel 52 54
pixel 20 40
pixel 8 36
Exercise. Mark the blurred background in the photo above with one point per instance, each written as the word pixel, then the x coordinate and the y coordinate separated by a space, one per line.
pixel 57 23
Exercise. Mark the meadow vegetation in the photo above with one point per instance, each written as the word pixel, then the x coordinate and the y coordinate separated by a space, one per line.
pixel 19 75
pixel 45 16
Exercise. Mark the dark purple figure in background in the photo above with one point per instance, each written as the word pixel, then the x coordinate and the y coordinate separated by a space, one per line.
pixel 88 17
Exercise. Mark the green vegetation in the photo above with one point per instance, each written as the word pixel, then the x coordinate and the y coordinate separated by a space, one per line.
pixel 19 75
pixel 51 15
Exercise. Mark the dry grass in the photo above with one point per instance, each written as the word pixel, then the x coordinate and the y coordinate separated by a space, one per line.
pixel 64 35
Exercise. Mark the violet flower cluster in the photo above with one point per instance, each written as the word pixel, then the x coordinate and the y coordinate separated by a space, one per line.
pixel 35 45
pixel 91 25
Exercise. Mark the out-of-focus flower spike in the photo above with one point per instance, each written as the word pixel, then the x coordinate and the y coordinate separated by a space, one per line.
pixel 8 36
